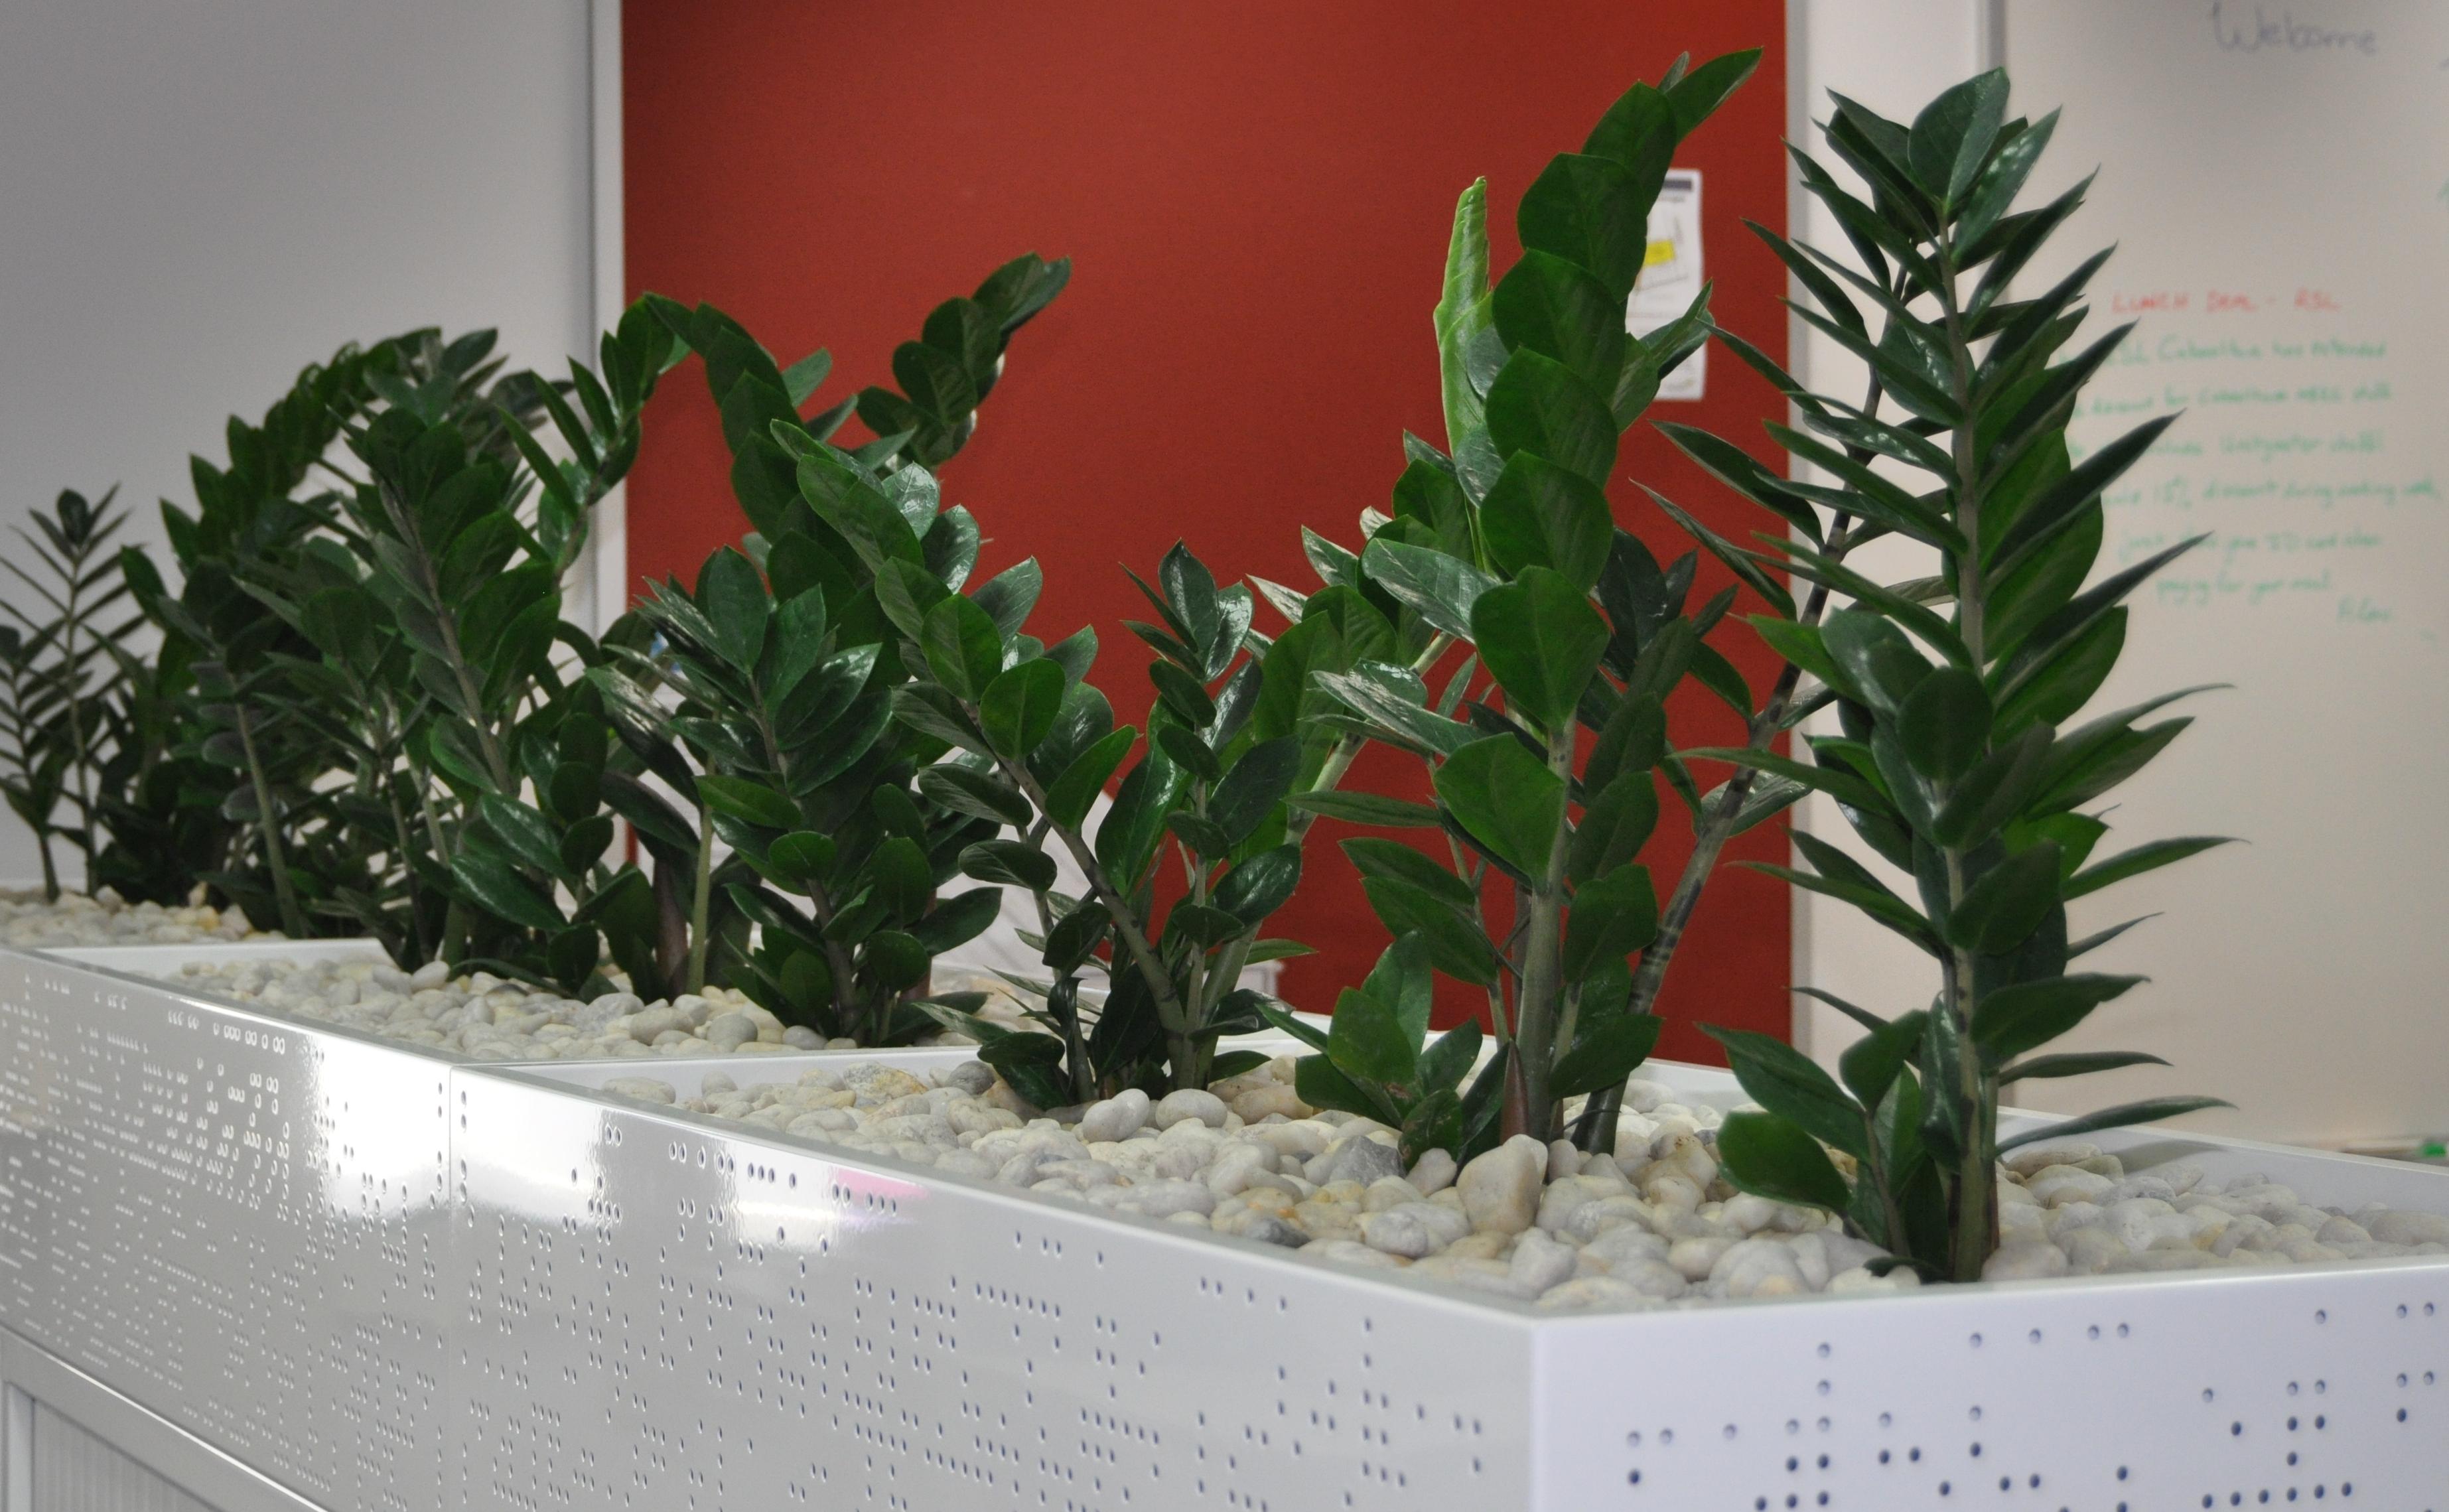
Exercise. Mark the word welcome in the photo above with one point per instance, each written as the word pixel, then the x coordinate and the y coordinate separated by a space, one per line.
pixel 2263 35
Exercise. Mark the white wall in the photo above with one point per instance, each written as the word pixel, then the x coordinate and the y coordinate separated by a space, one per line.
pixel 199 197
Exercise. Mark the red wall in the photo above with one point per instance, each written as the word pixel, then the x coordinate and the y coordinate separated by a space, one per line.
pixel 1256 197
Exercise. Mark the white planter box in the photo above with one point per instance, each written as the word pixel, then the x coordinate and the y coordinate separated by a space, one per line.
pixel 236 1219
pixel 234 1222
pixel 668 1308
pixel 390 1279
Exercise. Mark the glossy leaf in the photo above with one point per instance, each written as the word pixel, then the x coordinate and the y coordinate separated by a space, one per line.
pixel 1790 1085
pixel 1541 639
pixel 2126 1114
pixel 1506 798
pixel 2017 1019
pixel 1768 1156
pixel 1016 710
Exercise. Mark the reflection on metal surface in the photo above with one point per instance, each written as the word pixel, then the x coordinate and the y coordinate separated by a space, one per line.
pixel 757 1324
pixel 235 1222
pixel 747 1323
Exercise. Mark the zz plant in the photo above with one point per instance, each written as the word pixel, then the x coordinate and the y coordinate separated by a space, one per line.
pixel 1965 757
pixel 778 664
pixel 1035 743
pixel 247 749
pixel 1504 545
pixel 449 608
pixel 61 669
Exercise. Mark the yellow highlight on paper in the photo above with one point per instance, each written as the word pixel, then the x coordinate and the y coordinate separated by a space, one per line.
pixel 1660 250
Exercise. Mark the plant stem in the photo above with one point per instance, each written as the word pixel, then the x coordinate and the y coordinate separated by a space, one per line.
pixel 1538 1013
pixel 285 896
pixel 1596 1131
pixel 408 875
pixel 701 902
pixel 1974 1233
pixel 1170 1011
pixel 72 689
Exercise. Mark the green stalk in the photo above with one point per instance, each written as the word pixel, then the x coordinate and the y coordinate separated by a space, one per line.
pixel 1075 1047
pixel 1538 1013
pixel 72 688
pixel 1975 1229
pixel 285 896
pixel 1170 1009
pixel 1596 1130
pixel 408 874
pixel 51 869
pixel 701 902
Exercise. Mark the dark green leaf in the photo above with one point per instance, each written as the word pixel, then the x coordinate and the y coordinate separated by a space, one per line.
pixel 1558 310
pixel 502 893
pixel 1952 135
pixel 2146 857
pixel 1603 1054
pixel 2000 912
pixel 1768 1156
pixel 1943 725
pixel 1259 886
pixel 1439 587
pixel 1069 796
pixel 1507 798
pixel 962 647
pixel 979 795
pixel 2014 1020
pixel 1401 980
pixel 733 598
pixel 1016 710
pixel 745 798
pixel 1541 639
pixel 800 859
pixel 2081 1063
pixel 1365 807
pixel 2150 1110
pixel 1872 1063
pixel 1791 1085
pixel 1591 212
pixel 1010 863
pixel 1321 1085
pixel 1615 826
pixel 1367 1041
pixel 1612 917
pixel 957 920
pixel 1254 787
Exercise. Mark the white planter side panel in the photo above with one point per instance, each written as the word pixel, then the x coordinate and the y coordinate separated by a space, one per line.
pixel 148 960
pixel 665 1306
pixel 235 1222
pixel 2314 1387
pixel 663 1314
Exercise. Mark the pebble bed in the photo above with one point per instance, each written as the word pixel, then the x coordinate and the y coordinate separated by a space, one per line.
pixel 481 1015
pixel 28 923
pixel 1649 1227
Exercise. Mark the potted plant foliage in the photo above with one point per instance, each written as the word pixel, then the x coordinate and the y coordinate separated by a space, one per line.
pixel 1965 757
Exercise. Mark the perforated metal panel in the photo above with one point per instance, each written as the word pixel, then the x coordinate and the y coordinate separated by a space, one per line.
pixel 387 1280
pixel 668 1311
pixel 665 1315
pixel 234 1221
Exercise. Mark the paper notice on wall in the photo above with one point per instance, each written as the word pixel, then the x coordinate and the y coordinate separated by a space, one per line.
pixel 1670 276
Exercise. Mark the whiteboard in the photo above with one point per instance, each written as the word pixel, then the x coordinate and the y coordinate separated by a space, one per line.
pixel 2276 179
